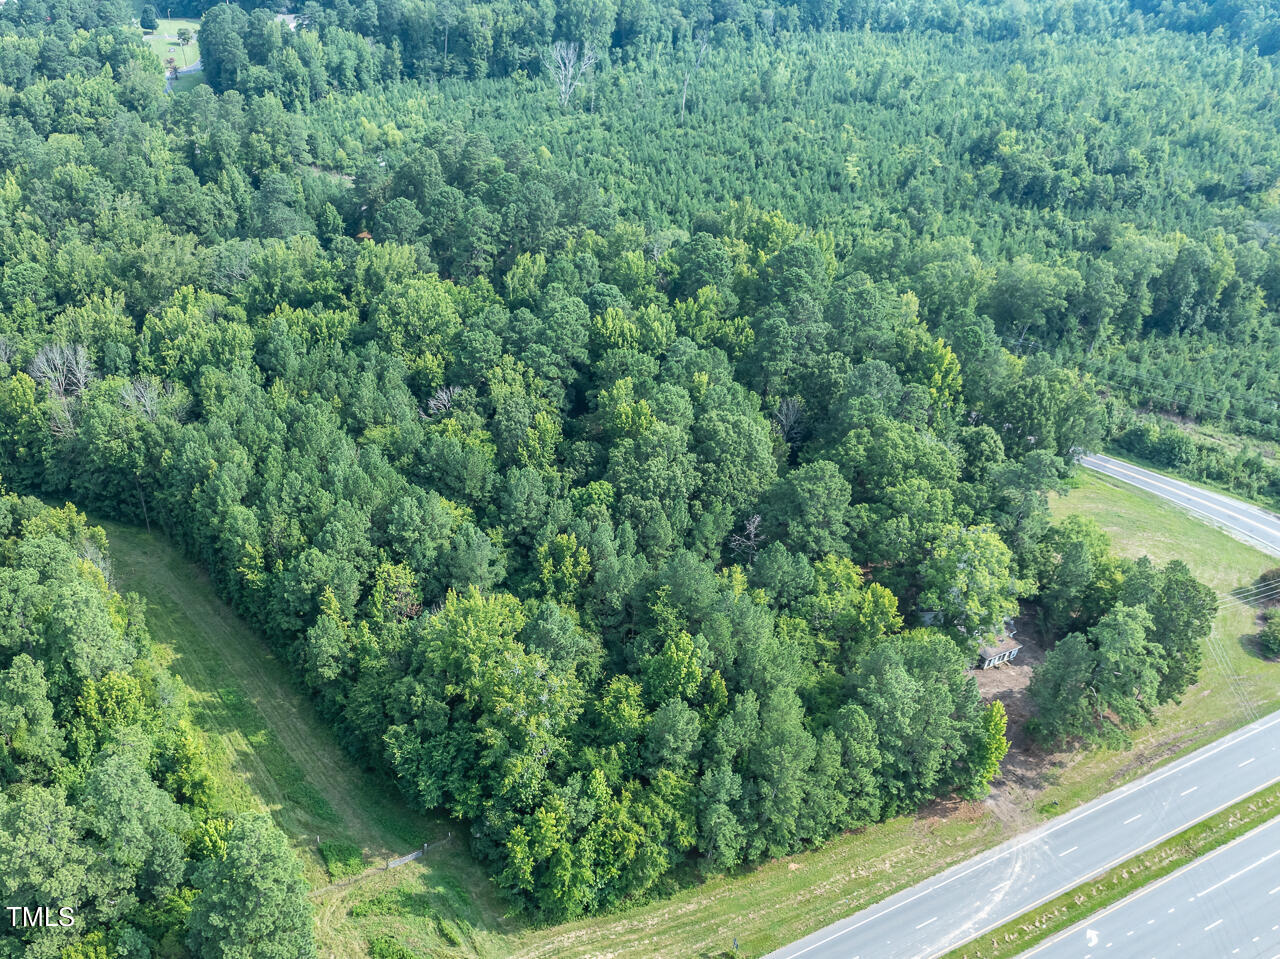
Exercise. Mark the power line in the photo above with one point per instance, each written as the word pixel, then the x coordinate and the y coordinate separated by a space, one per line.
pixel 1249 601
pixel 1162 378
pixel 1230 602
pixel 1235 400
pixel 1259 588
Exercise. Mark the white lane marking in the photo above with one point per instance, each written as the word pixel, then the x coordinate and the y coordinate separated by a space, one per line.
pixel 1274 891
pixel 1195 499
pixel 1245 763
pixel 1213 925
pixel 926 922
pixel 1188 792
pixel 1068 852
pixel 1270 855
pixel 1132 819
pixel 1150 887
pixel 1036 836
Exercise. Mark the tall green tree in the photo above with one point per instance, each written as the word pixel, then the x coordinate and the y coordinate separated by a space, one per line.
pixel 252 899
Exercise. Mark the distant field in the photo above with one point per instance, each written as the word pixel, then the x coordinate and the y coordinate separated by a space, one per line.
pixel 164 41
pixel 270 750
pixel 188 81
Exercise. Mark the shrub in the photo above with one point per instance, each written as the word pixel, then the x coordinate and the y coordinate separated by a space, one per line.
pixel 1269 638
pixel 342 859
pixel 384 947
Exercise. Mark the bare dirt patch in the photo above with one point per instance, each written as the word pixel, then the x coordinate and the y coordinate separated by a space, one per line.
pixel 1023 772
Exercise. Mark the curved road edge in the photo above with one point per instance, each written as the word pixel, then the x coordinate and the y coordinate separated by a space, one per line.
pixel 1250 524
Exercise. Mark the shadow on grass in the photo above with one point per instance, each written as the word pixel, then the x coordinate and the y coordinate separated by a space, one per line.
pixel 1261 594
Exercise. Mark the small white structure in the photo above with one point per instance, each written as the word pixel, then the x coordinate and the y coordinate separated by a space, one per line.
pixel 1001 652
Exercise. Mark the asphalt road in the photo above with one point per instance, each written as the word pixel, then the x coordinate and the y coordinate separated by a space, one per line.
pixel 1247 523
pixel 1226 904
pixel 975 896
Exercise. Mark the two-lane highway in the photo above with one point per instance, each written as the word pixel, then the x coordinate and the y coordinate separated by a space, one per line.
pixel 1226 903
pixel 976 896
pixel 1250 524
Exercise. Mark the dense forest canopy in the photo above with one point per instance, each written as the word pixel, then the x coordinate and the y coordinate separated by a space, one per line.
pixel 632 455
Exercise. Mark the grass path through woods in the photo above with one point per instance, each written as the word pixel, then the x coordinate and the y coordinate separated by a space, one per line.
pixel 270 749
pixel 268 746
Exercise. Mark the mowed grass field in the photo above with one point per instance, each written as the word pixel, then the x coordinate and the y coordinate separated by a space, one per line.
pixel 164 40
pixel 270 750
pixel 447 908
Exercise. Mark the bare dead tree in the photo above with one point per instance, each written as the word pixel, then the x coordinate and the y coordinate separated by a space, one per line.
pixel 788 417
pixel 568 63
pixel 177 403
pixel 64 370
pixel 62 415
pixel 51 366
pixel 142 396
pixel 79 370
pixel 150 398
pixel 6 351
pixel 441 400
pixel 90 553
pixel 749 540
pixel 704 41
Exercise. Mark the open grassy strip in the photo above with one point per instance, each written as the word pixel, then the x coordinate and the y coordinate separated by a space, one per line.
pixel 1236 683
pixel 186 82
pixel 1020 934
pixel 269 749
pixel 1141 524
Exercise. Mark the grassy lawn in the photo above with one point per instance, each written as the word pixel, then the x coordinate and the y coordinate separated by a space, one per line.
pixel 447 908
pixel 1236 684
pixel 186 82
pixel 1139 523
pixel 164 41
pixel 270 749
